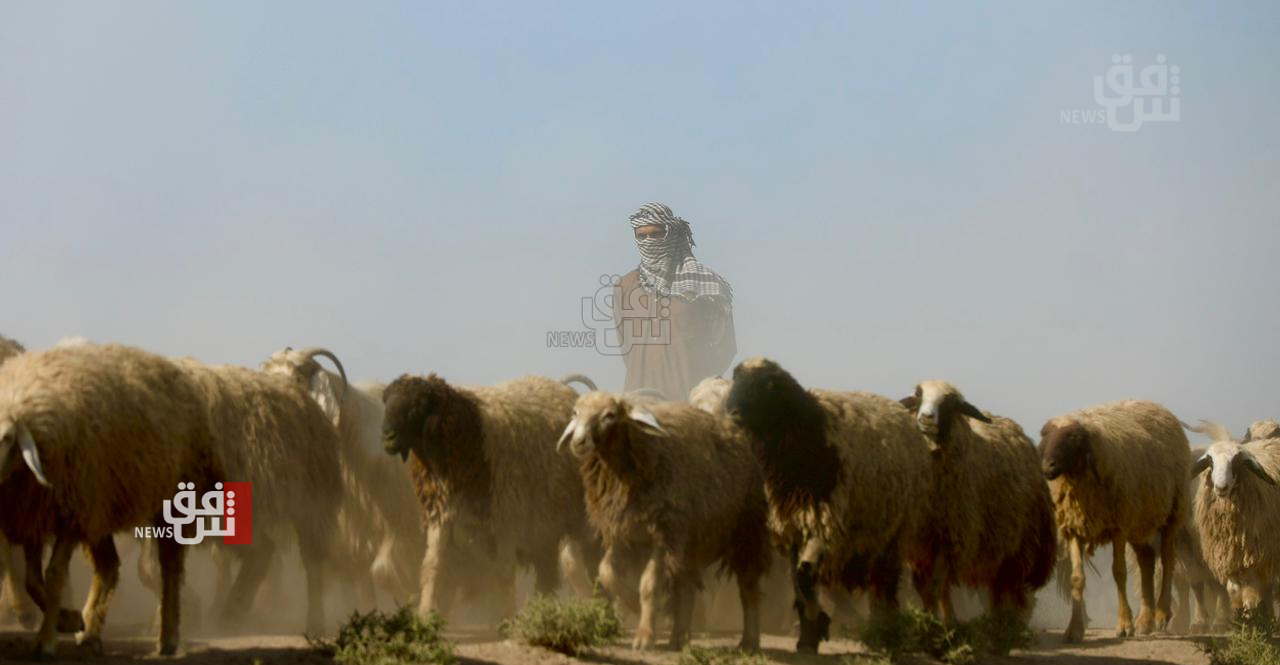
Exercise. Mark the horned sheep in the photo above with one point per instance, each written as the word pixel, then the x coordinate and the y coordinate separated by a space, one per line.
pixel 386 536
pixel 1117 473
pixel 847 476
pixel 990 522
pixel 484 468
pixel 106 434
pixel 1238 515
pixel 671 486
pixel 272 434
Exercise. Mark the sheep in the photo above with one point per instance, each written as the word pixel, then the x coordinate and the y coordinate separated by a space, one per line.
pixel 1117 473
pixel 1262 429
pixel 272 434
pixel 484 467
pixel 11 562
pixel 847 475
pixel 106 434
pixel 990 523
pixel 1237 514
pixel 389 529
pixel 671 485
pixel 1195 577
pixel 710 394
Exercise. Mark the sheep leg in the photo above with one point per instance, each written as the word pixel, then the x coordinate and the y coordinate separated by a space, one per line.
pixel 255 561
pixel 1203 618
pixel 312 547
pixel 609 579
pixel 28 613
pixel 172 559
pixel 1120 573
pixel 1146 556
pixel 55 579
pixel 106 574
pixel 546 570
pixel 1075 629
pixel 815 624
pixel 1168 561
pixel 749 594
pixel 1182 588
pixel 433 596
pixel 683 590
pixel 650 582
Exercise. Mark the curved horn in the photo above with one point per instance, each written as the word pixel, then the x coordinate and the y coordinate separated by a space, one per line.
pixel 1201 464
pixel 313 351
pixel 579 378
pixel 1252 465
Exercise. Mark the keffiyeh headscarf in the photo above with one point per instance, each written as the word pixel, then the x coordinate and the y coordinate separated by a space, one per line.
pixel 667 265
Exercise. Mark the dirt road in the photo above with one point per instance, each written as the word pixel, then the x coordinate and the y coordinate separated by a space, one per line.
pixel 475 649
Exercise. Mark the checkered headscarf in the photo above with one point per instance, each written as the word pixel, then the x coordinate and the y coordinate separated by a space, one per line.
pixel 667 265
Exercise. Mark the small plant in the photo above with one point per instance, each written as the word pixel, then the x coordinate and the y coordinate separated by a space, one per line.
pixel 1252 641
pixel 694 655
pixel 894 634
pixel 570 627
pixel 390 639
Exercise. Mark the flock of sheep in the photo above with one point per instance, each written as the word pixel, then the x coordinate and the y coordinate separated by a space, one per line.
pixel 430 491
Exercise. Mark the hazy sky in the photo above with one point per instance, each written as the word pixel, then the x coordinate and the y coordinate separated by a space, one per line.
pixel 435 186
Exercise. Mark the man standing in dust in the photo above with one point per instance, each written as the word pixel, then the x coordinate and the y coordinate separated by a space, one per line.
pixel 697 303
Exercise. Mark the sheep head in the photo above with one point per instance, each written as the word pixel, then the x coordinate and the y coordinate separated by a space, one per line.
pixel 302 367
pixel 788 431
pixel 1225 459
pixel 16 441
pixel 1065 449
pixel 605 423
pixel 1262 429
pixel 425 415
pixel 939 407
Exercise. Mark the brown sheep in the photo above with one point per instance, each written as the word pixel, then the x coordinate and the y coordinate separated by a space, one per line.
pixel 990 523
pixel 107 433
pixel 676 488
pixel 485 468
pixel 847 476
pixel 1262 429
pixel 1117 473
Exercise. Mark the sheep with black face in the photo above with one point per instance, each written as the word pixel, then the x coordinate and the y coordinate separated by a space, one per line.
pixel 1238 515
pixel 1117 473
pixel 671 489
pixel 485 469
pixel 990 523
pixel 847 477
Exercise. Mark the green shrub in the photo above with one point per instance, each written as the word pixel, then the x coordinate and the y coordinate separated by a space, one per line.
pixel 914 631
pixel 570 627
pixel 390 639
pixel 694 655
pixel 1252 641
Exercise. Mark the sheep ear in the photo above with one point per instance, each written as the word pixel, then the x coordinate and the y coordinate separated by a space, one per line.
pixel 973 412
pixel 31 455
pixel 646 420
pixel 1251 463
pixel 912 403
pixel 323 392
pixel 1201 464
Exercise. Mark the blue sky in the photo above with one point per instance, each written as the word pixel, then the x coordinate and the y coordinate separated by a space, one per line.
pixel 434 186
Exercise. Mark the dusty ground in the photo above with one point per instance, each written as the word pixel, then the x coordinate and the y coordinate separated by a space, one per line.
pixel 477 649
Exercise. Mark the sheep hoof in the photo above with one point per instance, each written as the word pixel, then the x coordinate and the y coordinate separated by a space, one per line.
pixel 812 633
pixel 90 643
pixel 1146 623
pixel 168 647
pixel 1074 634
pixel 642 641
pixel 45 652
pixel 1198 628
pixel 69 621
